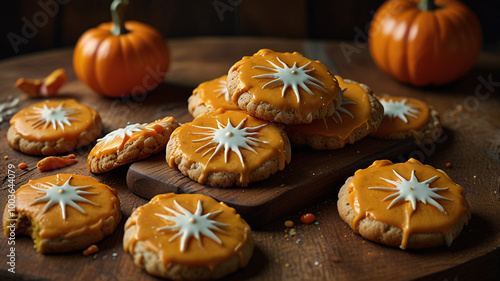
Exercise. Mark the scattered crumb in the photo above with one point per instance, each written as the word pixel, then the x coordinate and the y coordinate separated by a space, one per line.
pixel 316 263
pixel 55 162
pixel 448 165
pixel 308 218
pixel 114 255
pixel 287 265
pixel 336 259
pixel 475 176
pixel 292 232
pixel 22 166
pixel 6 157
pixel 298 241
pixel 91 250
pixel 289 223
pixel 282 185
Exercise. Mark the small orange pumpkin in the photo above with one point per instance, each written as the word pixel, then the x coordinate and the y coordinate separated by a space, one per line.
pixel 120 58
pixel 425 42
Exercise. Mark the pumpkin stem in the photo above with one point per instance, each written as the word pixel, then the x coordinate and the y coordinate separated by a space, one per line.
pixel 427 5
pixel 117 14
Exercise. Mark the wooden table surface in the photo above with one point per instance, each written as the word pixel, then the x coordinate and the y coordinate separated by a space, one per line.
pixel 328 250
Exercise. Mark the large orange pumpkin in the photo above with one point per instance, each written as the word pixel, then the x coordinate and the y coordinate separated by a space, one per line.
pixel 425 42
pixel 120 58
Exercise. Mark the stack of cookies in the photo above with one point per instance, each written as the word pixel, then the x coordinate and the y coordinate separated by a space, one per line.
pixel 245 122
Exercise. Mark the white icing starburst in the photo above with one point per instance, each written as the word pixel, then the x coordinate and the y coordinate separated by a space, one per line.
pixel 55 116
pixel 121 133
pixel 229 138
pixel 64 195
pixel 413 191
pixel 191 225
pixel 341 108
pixel 294 77
pixel 399 109
pixel 223 90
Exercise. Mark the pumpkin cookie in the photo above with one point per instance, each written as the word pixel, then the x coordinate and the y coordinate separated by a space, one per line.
pixel 227 148
pixel 283 87
pixel 410 205
pixel 209 96
pixel 53 127
pixel 358 116
pixel 132 143
pixel 188 237
pixel 408 117
pixel 63 212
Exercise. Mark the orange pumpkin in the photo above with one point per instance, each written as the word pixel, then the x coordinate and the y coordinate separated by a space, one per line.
pixel 425 42
pixel 120 58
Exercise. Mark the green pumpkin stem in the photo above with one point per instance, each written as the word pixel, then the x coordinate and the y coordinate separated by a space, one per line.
pixel 117 14
pixel 427 5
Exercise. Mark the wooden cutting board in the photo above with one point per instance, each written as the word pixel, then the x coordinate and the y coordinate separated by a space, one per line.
pixel 310 177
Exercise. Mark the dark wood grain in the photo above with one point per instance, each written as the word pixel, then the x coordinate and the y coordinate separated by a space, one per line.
pixel 328 250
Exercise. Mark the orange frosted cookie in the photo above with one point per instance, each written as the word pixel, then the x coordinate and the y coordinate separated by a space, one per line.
pixel 227 148
pixel 53 127
pixel 408 117
pixel 188 237
pixel 358 116
pixel 283 87
pixel 209 96
pixel 63 212
pixel 130 144
pixel 410 205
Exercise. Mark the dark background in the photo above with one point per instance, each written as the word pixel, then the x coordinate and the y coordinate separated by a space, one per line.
pixel 65 20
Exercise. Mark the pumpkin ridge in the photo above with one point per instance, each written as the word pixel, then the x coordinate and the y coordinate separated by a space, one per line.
pixel 404 69
pixel 90 76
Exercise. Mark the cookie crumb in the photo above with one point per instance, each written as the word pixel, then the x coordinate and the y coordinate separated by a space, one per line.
pixel 449 165
pixel 6 157
pixel 287 265
pixel 336 259
pixel 308 218
pixel 92 249
pixel 289 223
pixel 22 165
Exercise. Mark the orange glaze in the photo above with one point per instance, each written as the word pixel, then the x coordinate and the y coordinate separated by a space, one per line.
pixel 307 104
pixel 105 148
pixel 425 219
pixel 187 148
pixel 51 222
pixel 24 124
pixel 209 253
pixel 210 94
pixel 342 130
pixel 396 125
